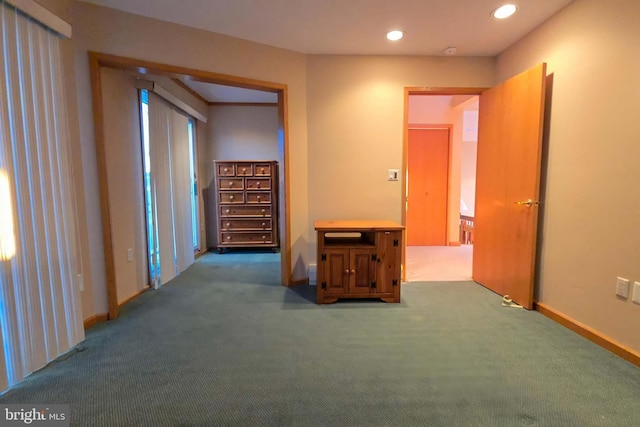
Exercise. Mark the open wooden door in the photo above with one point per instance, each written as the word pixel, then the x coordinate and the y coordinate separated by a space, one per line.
pixel 508 184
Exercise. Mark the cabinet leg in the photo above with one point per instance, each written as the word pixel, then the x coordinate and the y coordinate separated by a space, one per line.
pixel 392 299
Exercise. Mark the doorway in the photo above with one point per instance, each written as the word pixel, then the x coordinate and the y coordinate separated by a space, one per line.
pixel 99 62
pixel 444 252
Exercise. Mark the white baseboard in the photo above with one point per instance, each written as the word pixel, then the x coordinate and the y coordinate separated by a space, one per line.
pixel 312 271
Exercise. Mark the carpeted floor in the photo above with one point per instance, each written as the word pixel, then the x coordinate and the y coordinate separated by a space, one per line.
pixel 225 344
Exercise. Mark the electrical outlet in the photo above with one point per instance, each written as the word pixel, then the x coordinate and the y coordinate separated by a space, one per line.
pixel 622 287
pixel 129 254
pixel 636 292
pixel 392 175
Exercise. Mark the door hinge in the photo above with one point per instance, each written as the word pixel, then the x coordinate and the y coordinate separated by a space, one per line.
pixel 323 257
pixel 394 282
pixel 374 285
pixel 395 242
pixel 324 285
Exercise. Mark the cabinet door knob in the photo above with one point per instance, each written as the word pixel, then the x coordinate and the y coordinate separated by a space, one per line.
pixel 353 272
pixel 346 271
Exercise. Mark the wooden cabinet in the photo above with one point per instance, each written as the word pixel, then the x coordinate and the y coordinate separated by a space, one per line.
pixel 246 204
pixel 358 259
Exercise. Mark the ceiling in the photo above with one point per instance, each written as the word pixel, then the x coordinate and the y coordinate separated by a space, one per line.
pixel 355 26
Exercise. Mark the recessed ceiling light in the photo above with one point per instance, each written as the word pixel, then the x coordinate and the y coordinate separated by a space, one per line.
pixel 395 35
pixel 504 11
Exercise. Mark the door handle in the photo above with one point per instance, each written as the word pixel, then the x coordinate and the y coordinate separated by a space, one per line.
pixel 528 203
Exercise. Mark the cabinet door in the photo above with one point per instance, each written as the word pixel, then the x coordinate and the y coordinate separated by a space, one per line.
pixel 335 271
pixel 388 271
pixel 362 263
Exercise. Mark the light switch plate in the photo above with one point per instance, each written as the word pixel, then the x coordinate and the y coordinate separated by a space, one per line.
pixel 392 175
pixel 622 287
pixel 636 292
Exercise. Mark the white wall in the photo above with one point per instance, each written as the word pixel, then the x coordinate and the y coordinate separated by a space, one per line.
pixel 591 205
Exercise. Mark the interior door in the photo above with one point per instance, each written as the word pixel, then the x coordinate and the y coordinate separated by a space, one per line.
pixel 508 184
pixel 428 185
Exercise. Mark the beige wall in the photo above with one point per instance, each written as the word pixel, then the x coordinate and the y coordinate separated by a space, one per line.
pixel 356 115
pixel 124 179
pixel 109 31
pixel 238 133
pixel 243 133
pixel 591 212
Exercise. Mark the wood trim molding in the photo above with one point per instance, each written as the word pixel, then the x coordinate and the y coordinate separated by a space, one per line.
pixel 243 104
pixel 405 144
pixel 98 125
pixel 95 319
pixel 589 333
pixel 191 92
pixel 134 296
pixel 98 60
pixel 445 90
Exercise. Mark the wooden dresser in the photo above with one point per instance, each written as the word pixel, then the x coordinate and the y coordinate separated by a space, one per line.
pixel 247 204
pixel 358 259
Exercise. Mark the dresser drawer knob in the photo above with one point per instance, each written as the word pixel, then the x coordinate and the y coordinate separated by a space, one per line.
pixel 264 237
pixel 227 211
pixel 264 224
pixel 228 225
pixel 226 169
pixel 258 184
pixel 228 237
pixel 230 183
pixel 263 210
pixel 258 197
pixel 231 197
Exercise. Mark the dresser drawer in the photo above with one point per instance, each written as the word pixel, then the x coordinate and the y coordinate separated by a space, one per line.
pixel 245 224
pixel 226 169
pixel 258 197
pixel 226 197
pixel 244 169
pixel 231 210
pixel 244 238
pixel 262 169
pixel 258 183
pixel 231 183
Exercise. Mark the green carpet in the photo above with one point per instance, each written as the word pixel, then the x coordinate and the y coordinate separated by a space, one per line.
pixel 225 344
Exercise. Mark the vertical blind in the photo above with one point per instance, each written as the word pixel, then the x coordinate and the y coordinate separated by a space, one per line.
pixel 40 310
pixel 170 188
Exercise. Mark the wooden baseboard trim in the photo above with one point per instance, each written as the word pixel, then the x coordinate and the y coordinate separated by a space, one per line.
pixel 453 244
pixel 299 282
pixel 93 320
pixel 589 333
pixel 133 297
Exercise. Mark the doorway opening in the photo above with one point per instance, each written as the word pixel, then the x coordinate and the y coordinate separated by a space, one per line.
pixel 440 159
